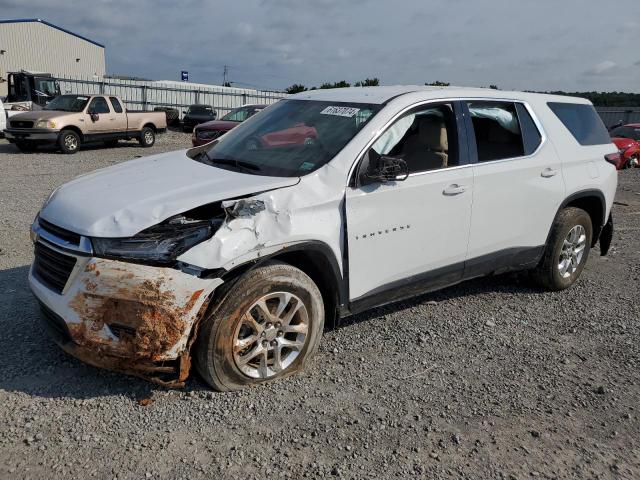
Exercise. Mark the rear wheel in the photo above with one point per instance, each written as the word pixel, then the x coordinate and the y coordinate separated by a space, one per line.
pixel 566 251
pixel 267 326
pixel 69 142
pixel 147 137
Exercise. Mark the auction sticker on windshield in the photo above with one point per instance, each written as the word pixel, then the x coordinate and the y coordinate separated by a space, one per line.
pixel 340 111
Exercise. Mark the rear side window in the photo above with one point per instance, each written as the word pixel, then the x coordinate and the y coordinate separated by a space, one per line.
pixel 116 104
pixel 531 136
pixel 582 121
pixel 497 130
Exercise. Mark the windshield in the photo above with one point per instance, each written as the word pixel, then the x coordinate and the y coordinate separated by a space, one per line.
pixel 289 139
pixel 200 110
pixel 68 103
pixel 626 132
pixel 240 114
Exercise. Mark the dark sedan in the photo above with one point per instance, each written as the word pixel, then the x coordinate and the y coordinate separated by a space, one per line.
pixel 197 114
pixel 211 130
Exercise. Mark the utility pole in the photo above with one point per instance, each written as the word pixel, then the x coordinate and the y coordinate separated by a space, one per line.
pixel 224 75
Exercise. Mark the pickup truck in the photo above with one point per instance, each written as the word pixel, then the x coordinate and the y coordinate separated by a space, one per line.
pixel 69 121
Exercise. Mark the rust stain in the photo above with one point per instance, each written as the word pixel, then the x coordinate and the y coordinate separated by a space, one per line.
pixel 192 301
pixel 90 267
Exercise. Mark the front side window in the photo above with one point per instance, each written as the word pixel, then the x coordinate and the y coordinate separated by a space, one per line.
pixel 200 110
pixel 424 138
pixel 497 130
pixel 99 105
pixel 290 138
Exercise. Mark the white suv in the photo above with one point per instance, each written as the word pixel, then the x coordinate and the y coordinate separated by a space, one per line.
pixel 328 203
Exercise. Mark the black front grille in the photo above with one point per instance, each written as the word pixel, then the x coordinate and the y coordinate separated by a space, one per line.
pixel 52 268
pixel 59 232
pixel 21 124
pixel 55 324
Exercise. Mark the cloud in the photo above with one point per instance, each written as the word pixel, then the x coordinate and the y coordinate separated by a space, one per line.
pixel 275 43
pixel 602 68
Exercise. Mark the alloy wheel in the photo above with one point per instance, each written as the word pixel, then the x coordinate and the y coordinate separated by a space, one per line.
pixel 271 335
pixel 572 251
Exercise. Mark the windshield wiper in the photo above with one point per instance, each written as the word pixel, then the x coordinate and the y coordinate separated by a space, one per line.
pixel 240 164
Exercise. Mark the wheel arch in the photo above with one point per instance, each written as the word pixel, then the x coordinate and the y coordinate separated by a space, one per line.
pixel 151 126
pixel 591 201
pixel 74 129
pixel 316 259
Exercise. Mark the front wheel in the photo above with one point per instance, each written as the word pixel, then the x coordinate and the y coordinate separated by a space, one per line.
pixel 147 137
pixel 566 251
pixel 267 326
pixel 632 162
pixel 69 142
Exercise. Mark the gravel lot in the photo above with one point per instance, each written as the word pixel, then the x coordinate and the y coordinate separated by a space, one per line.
pixel 488 379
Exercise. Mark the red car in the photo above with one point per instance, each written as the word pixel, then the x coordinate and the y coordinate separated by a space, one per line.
pixel 206 132
pixel 627 139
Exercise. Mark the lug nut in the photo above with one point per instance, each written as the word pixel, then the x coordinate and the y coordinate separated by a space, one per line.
pixel 280 333
pixel 274 343
pixel 265 344
pixel 278 325
pixel 263 334
pixel 268 325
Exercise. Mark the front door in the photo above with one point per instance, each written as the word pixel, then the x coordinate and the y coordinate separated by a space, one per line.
pixel 408 236
pixel 103 120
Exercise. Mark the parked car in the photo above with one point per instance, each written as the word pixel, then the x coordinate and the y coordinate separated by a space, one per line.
pixel 197 114
pixel 236 256
pixel 69 121
pixel 208 131
pixel 3 119
pixel 627 139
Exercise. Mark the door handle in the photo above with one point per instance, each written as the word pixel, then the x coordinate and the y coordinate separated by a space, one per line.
pixel 549 172
pixel 454 189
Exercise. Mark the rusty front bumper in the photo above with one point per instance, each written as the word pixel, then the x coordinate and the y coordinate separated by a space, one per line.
pixel 126 317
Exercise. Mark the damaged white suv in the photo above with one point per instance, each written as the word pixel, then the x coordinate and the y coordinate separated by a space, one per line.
pixel 237 253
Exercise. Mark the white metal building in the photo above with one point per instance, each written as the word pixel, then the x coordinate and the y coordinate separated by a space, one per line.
pixel 39 46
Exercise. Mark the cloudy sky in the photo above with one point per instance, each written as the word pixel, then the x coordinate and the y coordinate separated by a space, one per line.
pixel 516 44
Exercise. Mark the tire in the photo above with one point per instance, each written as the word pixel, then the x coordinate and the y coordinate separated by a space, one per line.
pixel 572 225
pixel 147 137
pixel 632 162
pixel 25 147
pixel 233 335
pixel 69 142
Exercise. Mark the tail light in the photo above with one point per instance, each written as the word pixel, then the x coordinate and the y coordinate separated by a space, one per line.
pixel 615 159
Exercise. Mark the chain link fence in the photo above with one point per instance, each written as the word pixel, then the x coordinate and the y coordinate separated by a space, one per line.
pixel 147 95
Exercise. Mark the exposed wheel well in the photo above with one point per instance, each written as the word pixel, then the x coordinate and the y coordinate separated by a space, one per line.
pixel 314 263
pixel 74 129
pixel 593 205
pixel 150 125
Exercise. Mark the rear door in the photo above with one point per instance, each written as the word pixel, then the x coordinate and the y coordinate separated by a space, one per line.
pixel 518 185
pixel 408 236
pixel 119 122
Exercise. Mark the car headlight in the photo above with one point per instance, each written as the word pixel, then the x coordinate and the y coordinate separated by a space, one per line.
pixel 161 243
pixel 45 124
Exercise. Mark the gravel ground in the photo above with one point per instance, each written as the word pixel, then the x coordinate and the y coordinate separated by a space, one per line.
pixel 488 379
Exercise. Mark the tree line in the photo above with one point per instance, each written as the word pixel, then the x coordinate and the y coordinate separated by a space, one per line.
pixel 599 99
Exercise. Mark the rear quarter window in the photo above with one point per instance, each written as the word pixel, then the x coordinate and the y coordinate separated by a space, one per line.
pixel 582 121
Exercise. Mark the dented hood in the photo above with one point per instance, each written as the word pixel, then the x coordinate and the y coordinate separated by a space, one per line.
pixel 122 200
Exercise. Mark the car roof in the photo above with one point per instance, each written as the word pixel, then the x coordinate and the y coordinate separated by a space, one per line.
pixel 383 94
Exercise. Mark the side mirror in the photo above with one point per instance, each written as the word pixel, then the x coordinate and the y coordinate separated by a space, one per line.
pixel 94 116
pixel 383 169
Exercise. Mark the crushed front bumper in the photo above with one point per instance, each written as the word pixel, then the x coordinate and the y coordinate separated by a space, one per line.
pixel 132 318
